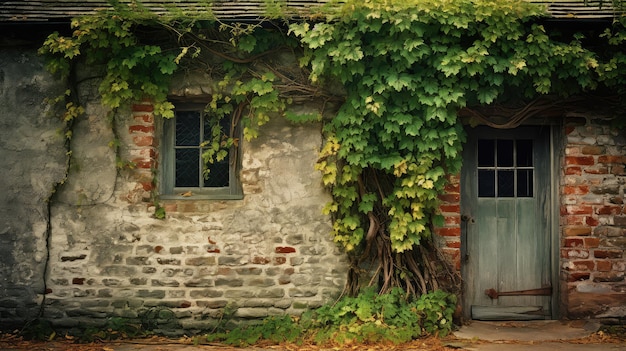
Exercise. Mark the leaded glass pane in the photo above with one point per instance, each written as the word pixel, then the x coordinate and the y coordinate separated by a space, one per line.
pixel 188 128
pixel 187 168
pixel 219 174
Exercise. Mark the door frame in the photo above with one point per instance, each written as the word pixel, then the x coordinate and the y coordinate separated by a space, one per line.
pixel 556 152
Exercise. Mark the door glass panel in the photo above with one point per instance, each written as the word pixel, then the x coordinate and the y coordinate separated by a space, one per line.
pixel 486 183
pixel 505 168
pixel 524 183
pixel 506 184
pixel 486 152
pixel 524 153
pixel 505 153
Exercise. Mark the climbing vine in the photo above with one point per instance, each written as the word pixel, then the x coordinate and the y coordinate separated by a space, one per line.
pixel 406 67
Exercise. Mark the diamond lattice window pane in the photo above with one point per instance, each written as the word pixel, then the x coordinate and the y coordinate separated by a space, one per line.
pixel 188 128
pixel 219 174
pixel 187 168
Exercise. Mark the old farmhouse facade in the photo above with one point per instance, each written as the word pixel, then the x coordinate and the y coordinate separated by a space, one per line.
pixel 86 243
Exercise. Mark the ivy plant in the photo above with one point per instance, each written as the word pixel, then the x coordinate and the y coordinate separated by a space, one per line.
pixel 406 69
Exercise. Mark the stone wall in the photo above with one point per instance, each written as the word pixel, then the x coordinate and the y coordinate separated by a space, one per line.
pixel 267 254
pixel 593 220
pixel 94 250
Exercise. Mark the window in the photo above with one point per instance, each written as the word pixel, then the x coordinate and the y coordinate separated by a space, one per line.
pixel 185 173
pixel 505 168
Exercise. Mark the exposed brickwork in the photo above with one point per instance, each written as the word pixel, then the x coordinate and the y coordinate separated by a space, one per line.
pixel 449 235
pixel 593 235
pixel 143 151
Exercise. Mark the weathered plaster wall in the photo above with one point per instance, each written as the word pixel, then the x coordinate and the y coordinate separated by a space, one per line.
pixel 32 154
pixel 267 254
pixel 593 220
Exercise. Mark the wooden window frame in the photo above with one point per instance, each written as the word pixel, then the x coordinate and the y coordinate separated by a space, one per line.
pixel 168 189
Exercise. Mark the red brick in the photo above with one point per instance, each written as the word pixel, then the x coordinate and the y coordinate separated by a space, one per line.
pixel 450 208
pixel 449 231
pixel 569 130
pixel 450 198
pixel 609 210
pixel 573 242
pixel 146 164
pixel 579 160
pixel 78 281
pixel 591 242
pixel 143 108
pixel 141 129
pixel 604 265
pixel 578 210
pixel 452 188
pixel 577 276
pixel 453 244
pixel 575 189
pixel 607 253
pixel 576 230
pixel 143 140
pixel 284 249
pixel 574 220
pixel 575 170
pixel 612 159
pixel 146 118
pixel 590 221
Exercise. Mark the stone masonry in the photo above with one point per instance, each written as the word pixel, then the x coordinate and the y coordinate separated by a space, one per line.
pixel 267 254
pixel 84 241
pixel 593 221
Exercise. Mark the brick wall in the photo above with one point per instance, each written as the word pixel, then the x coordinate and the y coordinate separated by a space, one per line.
pixel 593 220
pixel 448 236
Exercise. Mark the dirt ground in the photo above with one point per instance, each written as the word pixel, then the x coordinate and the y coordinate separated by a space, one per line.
pixel 10 342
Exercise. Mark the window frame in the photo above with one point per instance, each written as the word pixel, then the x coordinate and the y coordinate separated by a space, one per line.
pixel 168 189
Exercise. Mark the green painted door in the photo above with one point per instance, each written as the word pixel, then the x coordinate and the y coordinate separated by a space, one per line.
pixel 505 225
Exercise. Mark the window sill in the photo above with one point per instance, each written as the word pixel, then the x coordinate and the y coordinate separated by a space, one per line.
pixel 202 197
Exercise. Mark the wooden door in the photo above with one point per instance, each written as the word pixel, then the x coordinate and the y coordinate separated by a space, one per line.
pixel 506 210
